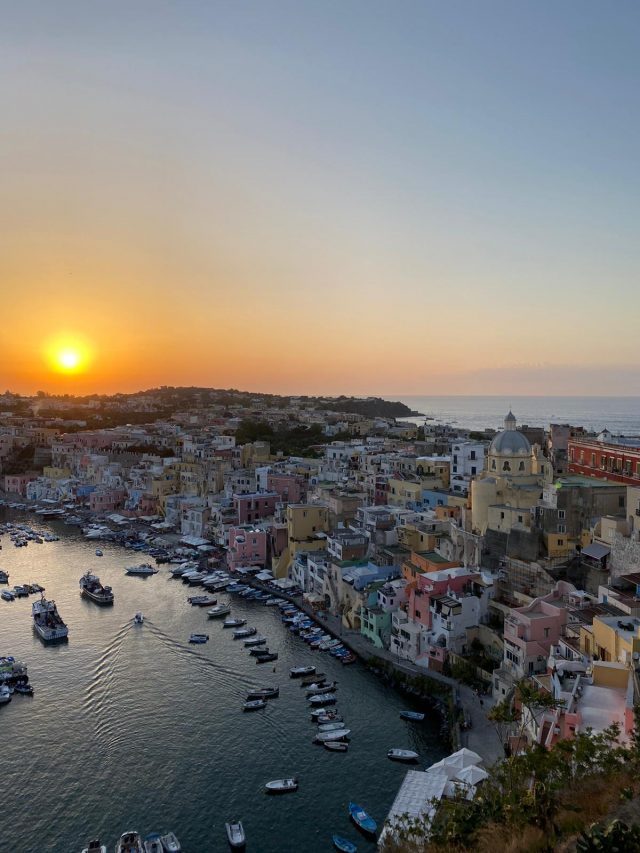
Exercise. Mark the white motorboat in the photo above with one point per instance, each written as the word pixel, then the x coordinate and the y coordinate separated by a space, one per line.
pixel 47 621
pixel 241 633
pixel 95 847
pixel 218 611
pixel 234 623
pixel 138 619
pixel 199 639
pixel 331 727
pixel 324 699
pixel 143 570
pixel 322 715
pixel 281 786
pixel 170 843
pixel 255 641
pixel 130 842
pixel 318 691
pixel 5 694
pixel 236 836
pixel 336 734
pixel 263 693
pixel 406 755
pixel 254 705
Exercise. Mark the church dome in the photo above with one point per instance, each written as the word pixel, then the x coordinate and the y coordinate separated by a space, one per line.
pixel 510 440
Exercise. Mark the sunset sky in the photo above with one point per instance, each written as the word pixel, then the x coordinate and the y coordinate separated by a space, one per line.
pixel 337 196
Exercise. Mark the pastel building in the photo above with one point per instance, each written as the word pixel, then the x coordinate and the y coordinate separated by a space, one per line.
pixel 247 546
pixel 255 506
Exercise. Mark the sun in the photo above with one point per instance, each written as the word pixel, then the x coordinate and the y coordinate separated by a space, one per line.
pixel 68 354
pixel 69 359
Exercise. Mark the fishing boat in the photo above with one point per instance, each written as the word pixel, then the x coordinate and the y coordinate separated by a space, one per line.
pixel 130 842
pixel 233 623
pixel 347 659
pixel 236 836
pixel 7 595
pixel 170 843
pixel 218 611
pixel 91 588
pixel 5 694
pixel 267 658
pixel 362 820
pixel 324 699
pixel 263 693
pixel 300 671
pixel 335 746
pixel 152 844
pixel 199 638
pixel 138 619
pixel 414 716
pixel 202 601
pixel 23 689
pixel 344 844
pixel 281 786
pixel 406 755
pixel 254 705
pixel 258 653
pixel 143 570
pixel 255 641
pixel 94 846
pixel 47 621
pixel 98 552
pixel 316 682
pixel 241 633
pixel 4 576
pixel 324 715
pixel 338 734
pixel 317 678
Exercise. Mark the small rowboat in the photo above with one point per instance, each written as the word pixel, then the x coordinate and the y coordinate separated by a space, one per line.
pixel 339 734
pixel 267 658
pixel 264 693
pixel 362 820
pixel 317 678
pixel 300 671
pixel 414 716
pixel 343 844
pixel 235 835
pixel 254 705
pixel 335 746
pixel 406 755
pixel 199 638
pixel 281 786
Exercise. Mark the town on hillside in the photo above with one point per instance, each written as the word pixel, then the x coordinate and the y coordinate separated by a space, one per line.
pixel 489 558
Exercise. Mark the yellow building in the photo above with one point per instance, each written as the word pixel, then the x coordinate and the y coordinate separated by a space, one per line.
pixel 611 638
pixel 53 473
pixel 402 492
pixel 306 526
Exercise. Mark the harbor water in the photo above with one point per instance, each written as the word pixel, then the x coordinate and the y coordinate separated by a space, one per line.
pixel 131 727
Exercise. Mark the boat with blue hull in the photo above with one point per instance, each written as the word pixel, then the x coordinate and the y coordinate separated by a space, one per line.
pixel 413 716
pixel 362 820
pixel 343 844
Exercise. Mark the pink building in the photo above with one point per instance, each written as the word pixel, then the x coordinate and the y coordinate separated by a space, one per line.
pixel 107 500
pixel 255 506
pixel 16 484
pixel 247 547
pixel 453 581
pixel 530 631
pixel 290 487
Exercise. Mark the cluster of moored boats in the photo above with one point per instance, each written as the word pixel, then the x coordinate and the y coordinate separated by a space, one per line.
pixel 132 842
pixel 22 534
pixel 14 679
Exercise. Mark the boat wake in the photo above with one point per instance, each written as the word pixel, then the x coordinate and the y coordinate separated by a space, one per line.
pixel 98 699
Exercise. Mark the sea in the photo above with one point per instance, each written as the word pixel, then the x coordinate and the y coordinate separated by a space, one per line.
pixel 131 727
pixel 621 415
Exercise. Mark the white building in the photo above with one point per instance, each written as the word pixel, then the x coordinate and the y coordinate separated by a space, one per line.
pixel 467 460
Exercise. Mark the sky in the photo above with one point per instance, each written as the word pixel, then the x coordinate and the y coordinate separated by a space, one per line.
pixel 341 196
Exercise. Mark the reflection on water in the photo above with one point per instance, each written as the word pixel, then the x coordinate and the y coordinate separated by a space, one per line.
pixel 130 726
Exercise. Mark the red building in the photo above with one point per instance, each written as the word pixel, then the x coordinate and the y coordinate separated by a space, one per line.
pixel 606 457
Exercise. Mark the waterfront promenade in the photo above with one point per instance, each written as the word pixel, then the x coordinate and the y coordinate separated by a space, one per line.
pixel 482 737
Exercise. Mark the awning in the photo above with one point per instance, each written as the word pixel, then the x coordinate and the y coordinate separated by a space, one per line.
pixel 596 551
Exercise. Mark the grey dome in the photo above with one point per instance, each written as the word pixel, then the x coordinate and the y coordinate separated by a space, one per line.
pixel 511 441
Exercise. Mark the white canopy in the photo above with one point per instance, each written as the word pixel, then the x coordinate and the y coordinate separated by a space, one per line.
pixel 472 775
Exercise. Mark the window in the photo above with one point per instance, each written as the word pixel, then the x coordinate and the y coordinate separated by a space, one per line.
pixel 493 465
pixel 546 632
pixel 520 519
pixel 593 460
pixel 561 543
pixel 560 513
pixel 473 470
pixel 621 501
pixel 472 455
pixel 501 515
pixel 521 466
pixel 417 614
pixel 562 528
pixel 506 466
